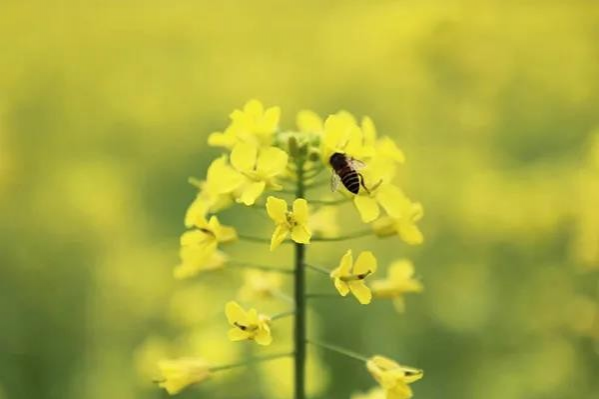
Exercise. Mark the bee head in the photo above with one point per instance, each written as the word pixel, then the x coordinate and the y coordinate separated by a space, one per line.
pixel 337 159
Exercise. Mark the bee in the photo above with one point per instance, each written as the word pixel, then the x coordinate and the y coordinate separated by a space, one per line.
pixel 345 170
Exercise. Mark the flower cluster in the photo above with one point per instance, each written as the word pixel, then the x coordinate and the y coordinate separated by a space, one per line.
pixel 259 165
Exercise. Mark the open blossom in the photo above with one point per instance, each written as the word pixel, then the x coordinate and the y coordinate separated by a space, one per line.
pixel 294 222
pixel 404 225
pixel 254 125
pixel 384 147
pixel 247 325
pixel 383 195
pixel 178 374
pixel 392 377
pixel 258 284
pixel 257 169
pixel 342 134
pixel 400 281
pixel 199 247
pixel 349 277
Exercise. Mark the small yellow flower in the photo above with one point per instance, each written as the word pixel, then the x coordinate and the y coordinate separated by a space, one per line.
pixel 342 134
pixel 295 222
pixel 199 246
pixel 374 393
pixel 348 277
pixel 260 285
pixel 258 169
pixel 404 225
pixel 392 377
pixel 180 373
pixel 247 325
pixel 400 280
pixel 253 125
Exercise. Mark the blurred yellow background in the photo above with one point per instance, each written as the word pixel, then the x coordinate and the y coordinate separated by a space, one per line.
pixel 105 107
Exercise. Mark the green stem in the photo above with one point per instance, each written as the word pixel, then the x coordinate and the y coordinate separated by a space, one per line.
pixel 340 350
pixel 350 236
pixel 236 263
pixel 324 295
pixel 250 361
pixel 299 337
pixel 330 202
pixel 261 240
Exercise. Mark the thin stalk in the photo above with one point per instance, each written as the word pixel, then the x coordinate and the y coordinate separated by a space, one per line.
pixel 330 202
pixel 283 296
pixel 282 315
pixel 261 240
pixel 350 236
pixel 338 349
pixel 299 338
pixel 324 295
pixel 250 361
pixel 318 269
pixel 237 263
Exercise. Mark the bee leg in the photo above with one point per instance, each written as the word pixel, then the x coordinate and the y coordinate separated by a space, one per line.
pixel 362 183
pixel 376 185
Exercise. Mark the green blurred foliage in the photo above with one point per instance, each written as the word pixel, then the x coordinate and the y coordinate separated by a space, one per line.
pixel 105 107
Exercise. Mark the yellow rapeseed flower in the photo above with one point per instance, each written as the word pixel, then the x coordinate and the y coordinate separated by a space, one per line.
pixel 392 377
pixel 384 195
pixel 294 222
pixel 199 247
pixel 178 374
pixel 253 124
pixel 257 169
pixel 342 134
pixel 258 284
pixel 404 225
pixel 400 280
pixel 348 277
pixel 247 325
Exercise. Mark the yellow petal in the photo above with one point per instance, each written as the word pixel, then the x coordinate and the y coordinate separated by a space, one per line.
pixel 235 313
pixel 278 236
pixel 236 334
pixel 367 207
pixel 253 108
pixel 410 233
pixel 341 287
pixel 401 270
pixel 222 178
pixel 309 122
pixel 196 213
pixel 277 209
pixel 369 130
pixel 270 121
pixel 243 157
pixel 300 211
pixel 360 291
pixel 219 139
pixel 271 162
pixel 263 337
pixel 300 234
pixel 250 192
pixel 346 263
pixel 391 199
pixel 365 263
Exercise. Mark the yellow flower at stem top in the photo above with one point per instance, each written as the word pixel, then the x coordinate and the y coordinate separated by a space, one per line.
pixel 392 377
pixel 258 284
pixel 247 325
pixel 348 277
pixel 342 134
pixel 253 124
pixel 404 225
pixel 294 222
pixel 400 280
pixel 199 247
pixel 180 373
pixel 257 169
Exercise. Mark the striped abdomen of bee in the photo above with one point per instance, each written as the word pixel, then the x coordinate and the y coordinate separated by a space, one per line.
pixel 343 167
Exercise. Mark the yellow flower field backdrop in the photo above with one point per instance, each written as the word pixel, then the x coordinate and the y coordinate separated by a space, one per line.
pixel 105 112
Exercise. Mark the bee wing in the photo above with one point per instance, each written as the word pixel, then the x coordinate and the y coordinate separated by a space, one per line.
pixel 357 164
pixel 335 180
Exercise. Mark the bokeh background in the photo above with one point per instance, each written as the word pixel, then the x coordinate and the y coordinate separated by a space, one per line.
pixel 105 107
